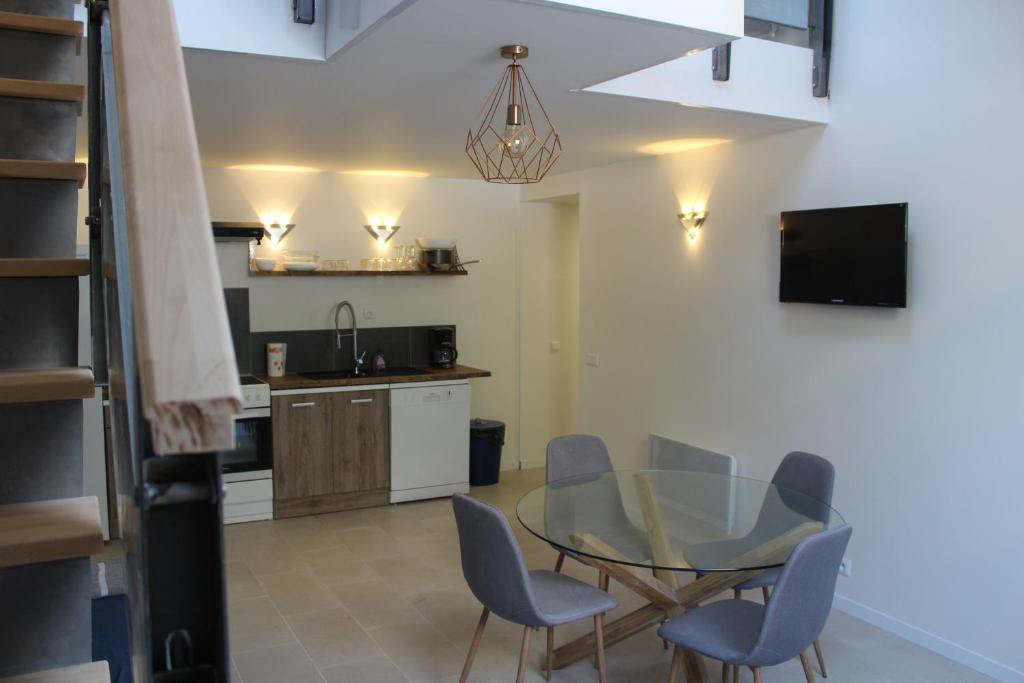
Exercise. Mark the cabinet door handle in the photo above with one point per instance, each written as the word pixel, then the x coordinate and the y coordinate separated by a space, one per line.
pixel 307 404
pixel 362 400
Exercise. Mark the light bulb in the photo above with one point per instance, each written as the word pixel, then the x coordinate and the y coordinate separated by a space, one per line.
pixel 515 140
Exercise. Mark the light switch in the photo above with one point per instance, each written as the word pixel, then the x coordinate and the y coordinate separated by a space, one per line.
pixel 556 346
pixel 367 314
pixel 592 359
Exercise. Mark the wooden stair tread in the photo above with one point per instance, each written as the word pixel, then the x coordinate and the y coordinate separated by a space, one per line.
pixel 44 267
pixel 93 672
pixel 49 530
pixel 23 169
pixel 34 23
pixel 43 90
pixel 46 384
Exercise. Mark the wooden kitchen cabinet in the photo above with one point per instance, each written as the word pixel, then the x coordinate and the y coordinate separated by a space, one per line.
pixel 362 441
pixel 331 451
pixel 303 462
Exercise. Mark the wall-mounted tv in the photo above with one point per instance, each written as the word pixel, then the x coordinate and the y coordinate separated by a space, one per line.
pixel 853 256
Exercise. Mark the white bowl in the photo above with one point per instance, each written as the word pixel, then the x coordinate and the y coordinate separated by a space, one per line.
pixel 301 267
pixel 266 264
pixel 436 242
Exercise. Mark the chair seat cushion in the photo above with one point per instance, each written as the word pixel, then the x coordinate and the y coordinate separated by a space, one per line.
pixel 766 579
pixel 562 599
pixel 725 630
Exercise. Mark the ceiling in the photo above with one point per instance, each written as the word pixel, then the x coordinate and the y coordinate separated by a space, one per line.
pixel 404 95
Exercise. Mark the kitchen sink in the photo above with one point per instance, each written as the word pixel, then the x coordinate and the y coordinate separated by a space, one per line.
pixel 348 374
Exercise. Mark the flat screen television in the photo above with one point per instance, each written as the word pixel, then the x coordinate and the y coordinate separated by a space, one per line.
pixel 852 256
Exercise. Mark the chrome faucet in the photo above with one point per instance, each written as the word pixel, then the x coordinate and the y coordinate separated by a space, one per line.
pixel 359 361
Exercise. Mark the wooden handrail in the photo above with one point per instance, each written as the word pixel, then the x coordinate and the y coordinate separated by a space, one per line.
pixel 187 370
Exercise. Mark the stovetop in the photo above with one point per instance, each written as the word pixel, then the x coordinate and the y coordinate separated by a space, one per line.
pixel 246 380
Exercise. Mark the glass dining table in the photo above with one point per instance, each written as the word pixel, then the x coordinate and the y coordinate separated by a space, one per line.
pixel 651 530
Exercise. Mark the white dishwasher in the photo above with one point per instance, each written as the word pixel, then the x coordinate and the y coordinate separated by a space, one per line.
pixel 429 441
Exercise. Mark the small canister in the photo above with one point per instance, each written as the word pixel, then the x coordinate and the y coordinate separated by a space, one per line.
pixel 276 354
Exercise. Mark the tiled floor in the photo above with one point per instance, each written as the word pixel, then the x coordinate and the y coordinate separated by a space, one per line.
pixel 377 596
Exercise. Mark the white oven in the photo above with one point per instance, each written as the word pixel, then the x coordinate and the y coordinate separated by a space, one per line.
pixel 248 470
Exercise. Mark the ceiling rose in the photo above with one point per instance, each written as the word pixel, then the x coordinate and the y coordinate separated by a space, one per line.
pixel 512 139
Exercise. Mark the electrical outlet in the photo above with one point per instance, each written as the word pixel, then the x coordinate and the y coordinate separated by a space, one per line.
pixel 367 314
pixel 846 567
pixel 556 346
pixel 592 359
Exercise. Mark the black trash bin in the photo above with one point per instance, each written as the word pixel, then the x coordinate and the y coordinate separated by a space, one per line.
pixel 486 437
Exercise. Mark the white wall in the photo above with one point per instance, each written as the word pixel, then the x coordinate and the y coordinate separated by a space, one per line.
pixel 548 312
pixel 920 409
pixel 330 210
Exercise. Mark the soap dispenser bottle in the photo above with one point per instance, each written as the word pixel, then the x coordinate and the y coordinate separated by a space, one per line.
pixel 378 361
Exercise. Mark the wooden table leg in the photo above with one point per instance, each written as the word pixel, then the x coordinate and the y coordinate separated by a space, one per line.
pixel 665 601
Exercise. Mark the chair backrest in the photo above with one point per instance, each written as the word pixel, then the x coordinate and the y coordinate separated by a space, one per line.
pixel 811 475
pixel 713 499
pixel 492 561
pixel 801 599
pixel 576 455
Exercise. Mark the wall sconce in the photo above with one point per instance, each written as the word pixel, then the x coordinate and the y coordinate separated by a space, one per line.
pixel 692 222
pixel 277 232
pixel 382 233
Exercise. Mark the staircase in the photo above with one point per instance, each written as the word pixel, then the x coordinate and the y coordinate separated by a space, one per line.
pixel 47 529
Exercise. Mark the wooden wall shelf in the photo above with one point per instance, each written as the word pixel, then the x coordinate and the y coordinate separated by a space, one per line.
pixel 353 273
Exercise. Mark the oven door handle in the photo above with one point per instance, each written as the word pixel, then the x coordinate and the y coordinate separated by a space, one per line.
pixel 253 413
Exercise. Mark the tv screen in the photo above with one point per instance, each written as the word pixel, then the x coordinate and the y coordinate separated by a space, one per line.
pixel 854 256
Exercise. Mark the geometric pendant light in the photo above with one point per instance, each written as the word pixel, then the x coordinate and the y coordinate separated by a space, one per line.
pixel 512 139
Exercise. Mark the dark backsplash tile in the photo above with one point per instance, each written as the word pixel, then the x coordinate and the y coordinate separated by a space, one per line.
pixel 313 350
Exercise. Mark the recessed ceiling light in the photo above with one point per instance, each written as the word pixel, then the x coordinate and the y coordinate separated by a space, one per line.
pixel 274 168
pixel 679 145
pixel 387 173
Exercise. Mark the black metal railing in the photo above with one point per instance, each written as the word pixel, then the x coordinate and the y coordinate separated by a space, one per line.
pixel 169 506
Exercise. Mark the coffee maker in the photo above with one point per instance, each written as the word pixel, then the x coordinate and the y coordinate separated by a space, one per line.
pixel 443 353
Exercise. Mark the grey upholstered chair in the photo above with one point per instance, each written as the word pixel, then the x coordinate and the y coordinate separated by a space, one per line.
pixel 496 573
pixel 744 633
pixel 813 476
pixel 579 455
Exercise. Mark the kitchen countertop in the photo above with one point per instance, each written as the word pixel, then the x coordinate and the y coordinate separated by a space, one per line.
pixel 294 381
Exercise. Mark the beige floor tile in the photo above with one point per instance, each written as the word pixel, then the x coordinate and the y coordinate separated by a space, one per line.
pixel 373 604
pixel 282 664
pixel 298 591
pixel 265 555
pixel 375 670
pixel 370 543
pixel 242 583
pixel 256 624
pixel 338 566
pixel 332 637
pixel 408 575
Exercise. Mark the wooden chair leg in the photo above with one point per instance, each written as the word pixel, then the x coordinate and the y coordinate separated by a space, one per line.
pixel 602 675
pixel 477 635
pixel 821 658
pixel 725 673
pixel 551 648
pixel 805 661
pixel 558 562
pixel 735 674
pixel 757 674
pixel 765 594
pixel 603 581
pixel 524 655
pixel 677 664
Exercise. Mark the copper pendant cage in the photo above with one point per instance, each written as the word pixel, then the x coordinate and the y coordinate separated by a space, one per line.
pixel 506 143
